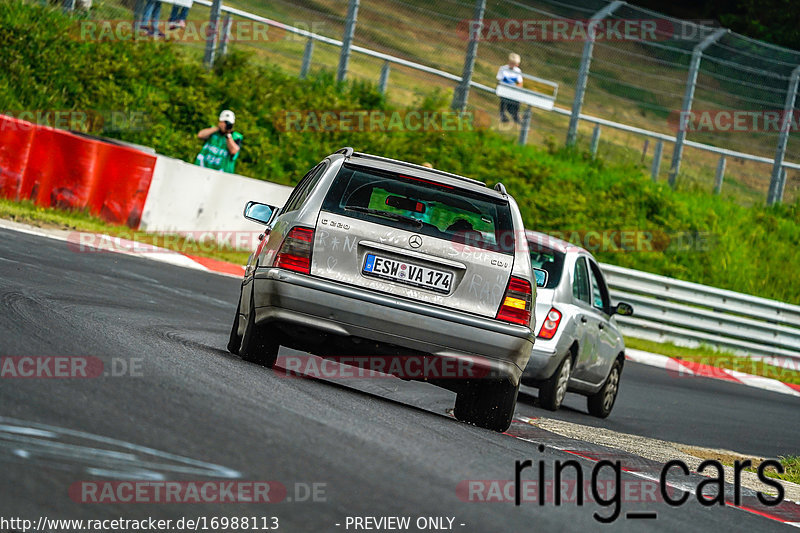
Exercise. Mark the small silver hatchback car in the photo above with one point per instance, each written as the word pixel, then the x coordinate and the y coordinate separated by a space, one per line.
pixel 578 344
pixel 378 257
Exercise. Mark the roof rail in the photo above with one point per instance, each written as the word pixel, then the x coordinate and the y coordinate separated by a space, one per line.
pixel 419 167
pixel 347 151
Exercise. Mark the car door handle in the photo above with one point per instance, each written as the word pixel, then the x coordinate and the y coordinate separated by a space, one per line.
pixel 261 236
pixel 583 319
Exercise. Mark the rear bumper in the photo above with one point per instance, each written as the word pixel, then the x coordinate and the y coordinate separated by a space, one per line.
pixel 286 298
pixel 543 362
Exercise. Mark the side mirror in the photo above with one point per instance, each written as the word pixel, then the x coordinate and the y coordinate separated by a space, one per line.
pixel 258 212
pixel 622 308
pixel 541 276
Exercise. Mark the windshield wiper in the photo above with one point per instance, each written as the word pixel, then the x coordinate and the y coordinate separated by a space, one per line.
pixel 385 214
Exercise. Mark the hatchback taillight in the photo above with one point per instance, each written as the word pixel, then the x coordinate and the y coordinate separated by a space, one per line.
pixel 550 325
pixel 295 252
pixel 516 307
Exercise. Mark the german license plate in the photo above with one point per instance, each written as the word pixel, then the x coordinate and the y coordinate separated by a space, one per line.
pixel 408 273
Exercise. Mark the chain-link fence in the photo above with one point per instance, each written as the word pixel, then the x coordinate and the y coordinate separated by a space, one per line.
pixel 636 74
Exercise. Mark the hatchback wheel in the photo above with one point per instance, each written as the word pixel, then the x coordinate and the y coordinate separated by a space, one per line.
pixel 259 343
pixel 235 341
pixel 601 403
pixel 552 391
pixel 488 405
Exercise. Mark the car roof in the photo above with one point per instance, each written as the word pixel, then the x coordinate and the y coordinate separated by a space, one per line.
pixel 419 171
pixel 559 245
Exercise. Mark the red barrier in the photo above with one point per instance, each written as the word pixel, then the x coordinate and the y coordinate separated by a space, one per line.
pixel 121 181
pixel 15 142
pixel 55 168
pixel 60 169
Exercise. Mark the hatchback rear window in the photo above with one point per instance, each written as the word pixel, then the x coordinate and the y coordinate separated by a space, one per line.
pixel 547 259
pixel 422 206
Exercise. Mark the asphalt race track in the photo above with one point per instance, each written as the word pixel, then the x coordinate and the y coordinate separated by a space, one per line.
pixel 384 448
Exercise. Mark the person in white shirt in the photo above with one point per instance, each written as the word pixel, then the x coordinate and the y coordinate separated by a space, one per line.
pixel 510 74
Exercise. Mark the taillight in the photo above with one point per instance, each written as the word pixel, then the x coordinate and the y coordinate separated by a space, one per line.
pixel 516 306
pixel 550 325
pixel 295 252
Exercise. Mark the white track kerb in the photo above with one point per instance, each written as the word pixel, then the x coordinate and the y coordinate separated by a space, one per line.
pixel 108 244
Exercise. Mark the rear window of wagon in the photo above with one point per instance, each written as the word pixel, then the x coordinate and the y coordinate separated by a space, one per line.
pixel 422 206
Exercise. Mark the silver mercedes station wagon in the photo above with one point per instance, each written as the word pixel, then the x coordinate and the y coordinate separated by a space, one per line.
pixel 378 257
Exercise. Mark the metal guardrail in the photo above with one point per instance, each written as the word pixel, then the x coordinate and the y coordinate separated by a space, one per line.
pixel 691 314
pixel 453 77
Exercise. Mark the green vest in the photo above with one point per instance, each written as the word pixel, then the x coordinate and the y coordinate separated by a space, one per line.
pixel 215 153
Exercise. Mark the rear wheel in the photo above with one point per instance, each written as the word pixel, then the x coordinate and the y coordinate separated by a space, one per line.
pixel 552 391
pixel 602 402
pixel 259 343
pixel 235 341
pixel 489 405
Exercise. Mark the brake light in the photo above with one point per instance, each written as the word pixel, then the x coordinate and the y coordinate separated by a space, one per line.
pixel 516 306
pixel 295 252
pixel 550 326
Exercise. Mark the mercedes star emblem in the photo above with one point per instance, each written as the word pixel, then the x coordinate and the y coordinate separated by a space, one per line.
pixel 415 241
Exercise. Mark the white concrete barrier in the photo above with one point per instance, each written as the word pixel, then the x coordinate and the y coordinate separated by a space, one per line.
pixel 189 200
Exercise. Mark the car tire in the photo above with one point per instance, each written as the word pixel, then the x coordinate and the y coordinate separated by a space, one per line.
pixel 602 402
pixel 489 405
pixel 552 391
pixel 235 341
pixel 259 344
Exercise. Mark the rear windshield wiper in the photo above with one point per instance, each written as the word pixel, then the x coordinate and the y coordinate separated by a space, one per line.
pixel 385 214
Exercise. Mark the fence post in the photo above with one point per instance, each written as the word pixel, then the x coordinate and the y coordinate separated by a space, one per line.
pixel 523 129
pixel 307 53
pixel 213 29
pixel 656 167
pixel 688 96
pixel 384 79
pixel 781 185
pixel 347 39
pixel 583 72
pixel 595 140
pixel 774 195
pixel 720 175
pixel 462 89
pixel 645 147
pixel 226 35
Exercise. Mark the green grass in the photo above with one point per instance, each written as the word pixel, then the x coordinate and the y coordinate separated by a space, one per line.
pixel 692 235
pixel 790 463
pixel 27 213
pixel 717 358
pixel 791 469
